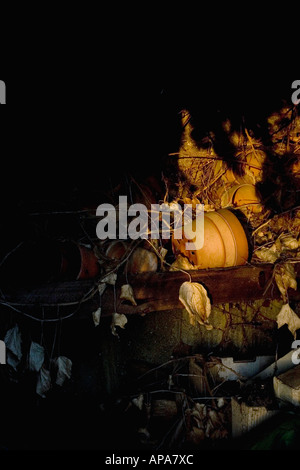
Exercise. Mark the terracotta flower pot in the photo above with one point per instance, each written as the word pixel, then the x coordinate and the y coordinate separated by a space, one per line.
pixel 142 260
pixel 244 195
pixel 116 249
pixel 89 266
pixel 225 242
pixel 77 262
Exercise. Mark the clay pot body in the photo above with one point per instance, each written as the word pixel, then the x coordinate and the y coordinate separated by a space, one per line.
pixel 142 260
pixel 245 196
pixel 225 242
pixel 77 262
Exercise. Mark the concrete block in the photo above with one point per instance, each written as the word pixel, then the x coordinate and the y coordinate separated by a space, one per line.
pixel 287 386
pixel 245 418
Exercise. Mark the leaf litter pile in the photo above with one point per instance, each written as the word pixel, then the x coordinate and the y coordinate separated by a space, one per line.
pixel 187 410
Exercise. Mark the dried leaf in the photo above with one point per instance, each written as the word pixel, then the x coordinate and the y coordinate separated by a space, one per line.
pixel 96 316
pixel 127 294
pixel 289 243
pixel 201 408
pixel 198 419
pixel 220 402
pixel 215 425
pixel 101 288
pixel 162 255
pixel 118 319
pixel 194 298
pixel 268 255
pixel 288 316
pixel 215 418
pixel 285 278
pixel 36 357
pixel 111 279
pixel 13 342
pixel 162 252
pixel 180 263
pixel 44 382
pixel 139 401
pixel 64 369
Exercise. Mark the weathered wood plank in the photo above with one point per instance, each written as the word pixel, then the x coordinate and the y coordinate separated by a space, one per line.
pixel 159 291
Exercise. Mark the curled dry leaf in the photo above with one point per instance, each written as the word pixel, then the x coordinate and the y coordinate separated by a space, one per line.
pixel 111 279
pixel 288 317
pixel 289 243
pixel 127 294
pixel 162 255
pixel 201 408
pixel 13 341
pixel 198 419
pixel 64 369
pixel 285 278
pixel 215 425
pixel 215 418
pixel 36 357
pixel 118 319
pixel 138 402
pixel 220 402
pixel 182 262
pixel 194 298
pixel 13 344
pixel 44 382
pixel 101 287
pixel 268 255
pixel 96 316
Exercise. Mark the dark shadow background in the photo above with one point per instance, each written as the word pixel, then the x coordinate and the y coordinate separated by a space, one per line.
pixel 68 138
pixel 76 133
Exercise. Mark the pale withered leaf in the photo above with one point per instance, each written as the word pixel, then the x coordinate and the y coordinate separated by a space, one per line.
pixel 44 382
pixel 285 277
pixel 194 298
pixel 118 319
pixel 36 357
pixel 111 279
pixel 138 401
pixel 288 317
pixel 96 316
pixel 64 369
pixel 127 294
